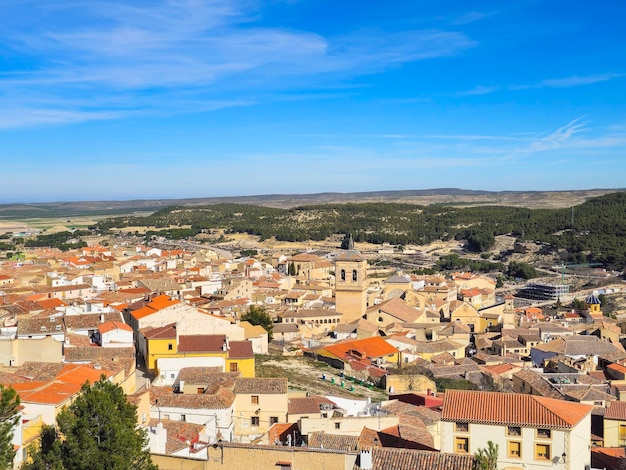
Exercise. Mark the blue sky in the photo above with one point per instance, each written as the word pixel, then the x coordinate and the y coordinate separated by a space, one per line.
pixel 110 100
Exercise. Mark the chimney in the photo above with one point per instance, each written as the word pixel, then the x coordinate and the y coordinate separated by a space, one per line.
pixel 365 459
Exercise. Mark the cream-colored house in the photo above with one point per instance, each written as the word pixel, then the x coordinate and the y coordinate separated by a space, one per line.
pixel 464 313
pixel 531 432
pixel 259 403
pixel 615 424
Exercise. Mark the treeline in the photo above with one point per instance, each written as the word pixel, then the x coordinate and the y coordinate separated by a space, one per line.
pixel 595 233
pixel 62 240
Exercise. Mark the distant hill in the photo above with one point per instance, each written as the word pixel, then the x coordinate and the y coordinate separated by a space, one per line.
pixel 590 232
pixel 448 196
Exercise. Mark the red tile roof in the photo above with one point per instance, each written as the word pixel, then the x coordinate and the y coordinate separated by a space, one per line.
pixel 240 350
pixel 616 410
pixel 163 332
pixel 201 343
pixel 511 409
pixel 51 303
pixel 368 347
pixel 113 325
pixel 303 406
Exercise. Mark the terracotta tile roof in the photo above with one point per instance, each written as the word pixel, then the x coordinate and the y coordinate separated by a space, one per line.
pixel 51 303
pixel 511 409
pixel 397 308
pixel 350 255
pixel 112 326
pixel 384 458
pixel 368 347
pixel 223 398
pixel 278 432
pixel 90 321
pixel 616 410
pixel 538 383
pixel 310 313
pixel 211 378
pixel 608 458
pixel 109 359
pixel 162 332
pixel 201 343
pixel 473 292
pixel 261 386
pixel 389 437
pixel 157 303
pixel 240 350
pixel 40 326
pixel 418 434
pixel 180 434
pixel 43 371
pixel 47 393
pixel 80 373
pixel 303 406
pixel 8 378
pixel 321 440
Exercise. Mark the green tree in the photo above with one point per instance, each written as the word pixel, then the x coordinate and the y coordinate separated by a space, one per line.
pixel 9 417
pixel 578 305
pixel 292 269
pixel 257 315
pixel 521 270
pixel 487 459
pixel 98 431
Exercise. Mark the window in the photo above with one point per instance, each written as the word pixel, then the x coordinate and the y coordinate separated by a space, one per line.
pixel 343 274
pixel 200 390
pixel 233 367
pixel 254 399
pixel 461 427
pixel 461 445
pixel 255 421
pixel 542 451
pixel 514 449
pixel 183 417
pixel 337 425
pixel 622 433
pixel 544 434
pixel 273 420
pixel 166 416
pixel 170 346
pixel 354 274
pixel 513 431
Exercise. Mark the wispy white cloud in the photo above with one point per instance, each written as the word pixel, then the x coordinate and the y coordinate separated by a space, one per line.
pixel 473 16
pixel 572 81
pixel 478 91
pixel 120 55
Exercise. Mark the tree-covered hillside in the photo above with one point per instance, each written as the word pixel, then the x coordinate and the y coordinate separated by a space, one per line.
pixel 595 233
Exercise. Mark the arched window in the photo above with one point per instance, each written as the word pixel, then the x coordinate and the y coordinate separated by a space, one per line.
pixel 343 274
pixel 354 274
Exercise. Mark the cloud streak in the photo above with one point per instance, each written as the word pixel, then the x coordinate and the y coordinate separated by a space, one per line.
pixel 572 81
pixel 124 56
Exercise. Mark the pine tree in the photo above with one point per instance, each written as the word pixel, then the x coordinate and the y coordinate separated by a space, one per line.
pixel 487 459
pixel 99 431
pixel 9 417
